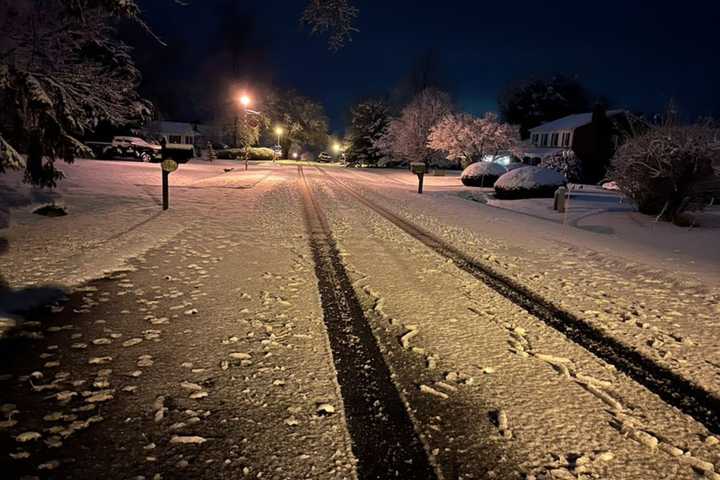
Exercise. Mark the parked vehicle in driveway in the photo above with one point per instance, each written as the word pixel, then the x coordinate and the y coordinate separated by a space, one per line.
pixel 126 147
pixel 324 157
pixel 136 147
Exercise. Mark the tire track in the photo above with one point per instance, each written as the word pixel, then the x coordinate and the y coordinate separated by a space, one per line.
pixel 677 391
pixel 383 437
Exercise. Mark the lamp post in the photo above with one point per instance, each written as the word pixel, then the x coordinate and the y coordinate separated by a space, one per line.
pixel 279 132
pixel 245 101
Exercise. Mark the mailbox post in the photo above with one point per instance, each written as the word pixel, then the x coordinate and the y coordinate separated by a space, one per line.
pixel 419 169
pixel 168 166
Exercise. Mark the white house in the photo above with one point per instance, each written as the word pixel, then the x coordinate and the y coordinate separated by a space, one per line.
pixel 176 132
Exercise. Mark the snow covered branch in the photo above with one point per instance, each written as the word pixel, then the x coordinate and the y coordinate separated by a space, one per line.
pixel 334 17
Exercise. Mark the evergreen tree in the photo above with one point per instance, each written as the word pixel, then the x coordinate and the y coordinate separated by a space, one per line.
pixel 370 121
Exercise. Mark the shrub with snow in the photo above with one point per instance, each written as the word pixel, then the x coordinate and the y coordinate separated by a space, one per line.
pixel 565 162
pixel 668 170
pixel 529 182
pixel 482 174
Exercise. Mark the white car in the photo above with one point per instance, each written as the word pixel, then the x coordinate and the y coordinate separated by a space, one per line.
pixel 324 157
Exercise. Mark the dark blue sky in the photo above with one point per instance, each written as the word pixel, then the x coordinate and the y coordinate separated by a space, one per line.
pixel 637 53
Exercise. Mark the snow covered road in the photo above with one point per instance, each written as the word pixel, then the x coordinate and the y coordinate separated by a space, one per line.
pixel 193 345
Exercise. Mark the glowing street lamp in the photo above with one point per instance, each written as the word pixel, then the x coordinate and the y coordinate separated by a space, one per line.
pixel 279 132
pixel 245 101
pixel 295 155
pixel 337 148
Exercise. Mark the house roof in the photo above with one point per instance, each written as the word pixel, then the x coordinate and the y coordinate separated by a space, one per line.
pixel 571 122
pixel 172 128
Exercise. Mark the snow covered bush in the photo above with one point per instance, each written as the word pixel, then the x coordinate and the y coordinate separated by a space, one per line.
pixel 254 153
pixel 465 138
pixel 514 165
pixel 528 182
pixel 564 162
pixel 482 174
pixel 668 170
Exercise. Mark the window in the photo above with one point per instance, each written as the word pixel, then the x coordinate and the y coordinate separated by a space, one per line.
pixel 535 138
pixel 174 138
pixel 554 139
pixel 544 139
pixel 566 139
pixel 188 140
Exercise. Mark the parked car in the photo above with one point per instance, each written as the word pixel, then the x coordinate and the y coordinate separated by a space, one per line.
pixel 324 157
pixel 136 147
pixel 277 150
pixel 124 147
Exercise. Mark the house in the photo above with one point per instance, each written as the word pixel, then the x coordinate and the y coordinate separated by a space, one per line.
pixel 177 132
pixel 591 136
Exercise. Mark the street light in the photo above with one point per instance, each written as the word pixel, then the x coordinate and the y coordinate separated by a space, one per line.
pixel 279 131
pixel 245 101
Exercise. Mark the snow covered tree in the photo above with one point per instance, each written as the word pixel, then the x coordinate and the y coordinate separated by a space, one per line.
pixel 370 121
pixel 303 120
pixel 532 102
pixel 62 70
pixel 407 136
pixel 565 162
pixel 466 139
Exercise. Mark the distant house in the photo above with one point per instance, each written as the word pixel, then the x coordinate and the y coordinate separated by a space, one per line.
pixel 591 136
pixel 177 132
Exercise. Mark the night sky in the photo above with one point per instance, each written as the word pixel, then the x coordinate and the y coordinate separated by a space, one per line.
pixel 636 53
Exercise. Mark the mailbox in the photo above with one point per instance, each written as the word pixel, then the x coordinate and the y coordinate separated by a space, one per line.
pixel 418 168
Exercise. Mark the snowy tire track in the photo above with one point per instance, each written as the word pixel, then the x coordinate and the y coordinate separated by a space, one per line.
pixel 384 439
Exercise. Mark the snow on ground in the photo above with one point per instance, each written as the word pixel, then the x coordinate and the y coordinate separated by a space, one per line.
pixel 115 214
pixel 494 389
pixel 655 289
pixel 190 363
pixel 228 269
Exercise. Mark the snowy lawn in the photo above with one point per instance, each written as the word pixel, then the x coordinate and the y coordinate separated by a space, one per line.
pixel 114 214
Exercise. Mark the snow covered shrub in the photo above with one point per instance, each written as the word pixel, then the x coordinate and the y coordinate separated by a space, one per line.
pixel 668 170
pixel 564 162
pixel 254 153
pixel 514 165
pixel 528 182
pixel 482 174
